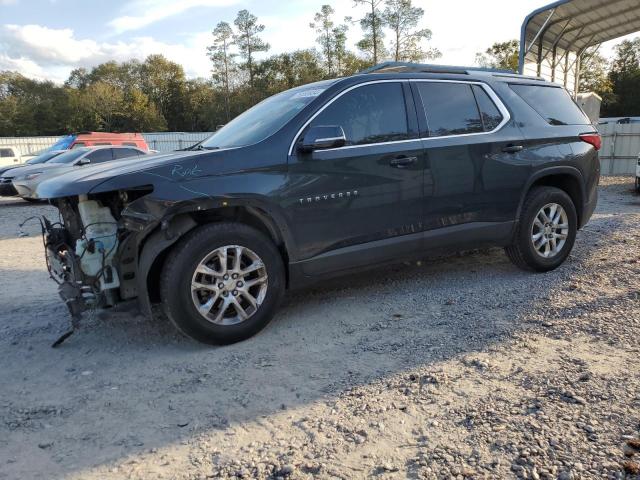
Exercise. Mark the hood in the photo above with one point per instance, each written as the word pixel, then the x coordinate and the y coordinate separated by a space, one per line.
pixel 27 169
pixel 121 174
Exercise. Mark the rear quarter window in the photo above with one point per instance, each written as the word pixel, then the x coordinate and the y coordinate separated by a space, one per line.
pixel 553 104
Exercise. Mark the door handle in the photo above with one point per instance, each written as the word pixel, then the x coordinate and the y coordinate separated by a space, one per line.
pixel 403 162
pixel 513 149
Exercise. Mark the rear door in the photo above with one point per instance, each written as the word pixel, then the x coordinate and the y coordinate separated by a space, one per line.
pixel 473 173
pixel 131 153
pixel 363 200
pixel 100 155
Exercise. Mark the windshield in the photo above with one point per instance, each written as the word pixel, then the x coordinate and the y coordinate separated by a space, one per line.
pixel 70 156
pixel 265 119
pixel 64 143
pixel 44 157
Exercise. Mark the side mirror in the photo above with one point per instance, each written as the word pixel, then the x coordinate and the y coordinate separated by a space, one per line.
pixel 83 161
pixel 323 137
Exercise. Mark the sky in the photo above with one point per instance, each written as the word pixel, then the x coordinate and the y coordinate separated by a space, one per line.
pixel 46 39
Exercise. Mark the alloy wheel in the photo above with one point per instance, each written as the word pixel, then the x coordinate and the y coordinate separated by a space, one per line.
pixel 550 230
pixel 229 285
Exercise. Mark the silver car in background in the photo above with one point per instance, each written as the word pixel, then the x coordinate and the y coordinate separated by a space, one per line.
pixel 26 179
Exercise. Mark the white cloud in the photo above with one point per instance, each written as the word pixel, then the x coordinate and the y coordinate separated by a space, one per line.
pixel 46 53
pixel 8 2
pixel 141 13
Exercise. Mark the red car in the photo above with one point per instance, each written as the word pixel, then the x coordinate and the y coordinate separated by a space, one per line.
pixel 97 139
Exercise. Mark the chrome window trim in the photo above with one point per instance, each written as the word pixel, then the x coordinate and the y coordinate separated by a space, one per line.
pixel 506 116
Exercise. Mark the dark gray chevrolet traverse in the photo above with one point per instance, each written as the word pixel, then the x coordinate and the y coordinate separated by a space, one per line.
pixel 323 180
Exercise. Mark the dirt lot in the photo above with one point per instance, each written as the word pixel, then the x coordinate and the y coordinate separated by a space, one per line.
pixel 461 367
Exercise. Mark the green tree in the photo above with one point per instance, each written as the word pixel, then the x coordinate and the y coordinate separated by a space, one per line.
pixel 288 70
pixel 164 82
pixel 502 55
pixel 594 73
pixel 324 25
pixel 625 80
pixel 372 25
pixel 402 18
pixel 340 47
pixel 223 61
pixel 248 41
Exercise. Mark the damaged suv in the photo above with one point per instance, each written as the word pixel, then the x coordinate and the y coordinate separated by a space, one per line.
pixel 323 180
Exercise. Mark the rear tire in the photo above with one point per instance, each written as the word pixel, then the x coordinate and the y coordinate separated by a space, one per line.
pixel 204 291
pixel 546 230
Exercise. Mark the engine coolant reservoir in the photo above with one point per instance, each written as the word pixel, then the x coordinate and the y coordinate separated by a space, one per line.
pixel 99 245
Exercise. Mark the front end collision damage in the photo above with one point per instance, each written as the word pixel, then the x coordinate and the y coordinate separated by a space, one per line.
pixel 95 268
pixel 101 251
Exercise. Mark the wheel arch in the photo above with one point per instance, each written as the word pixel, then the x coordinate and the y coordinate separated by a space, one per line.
pixel 158 244
pixel 567 179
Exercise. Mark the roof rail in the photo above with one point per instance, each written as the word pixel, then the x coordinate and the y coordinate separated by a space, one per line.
pixel 406 67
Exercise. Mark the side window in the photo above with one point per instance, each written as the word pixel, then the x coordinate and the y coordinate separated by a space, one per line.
pixel 102 144
pixel 491 116
pixel 129 144
pixel 78 145
pixel 6 153
pixel 101 155
pixel 119 153
pixel 451 108
pixel 369 114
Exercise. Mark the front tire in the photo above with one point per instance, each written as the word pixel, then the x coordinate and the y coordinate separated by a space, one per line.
pixel 546 231
pixel 222 283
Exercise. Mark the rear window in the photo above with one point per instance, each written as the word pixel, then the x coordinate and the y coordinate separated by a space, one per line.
pixel 553 104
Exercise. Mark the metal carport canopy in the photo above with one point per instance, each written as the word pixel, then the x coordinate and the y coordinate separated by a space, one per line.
pixel 555 37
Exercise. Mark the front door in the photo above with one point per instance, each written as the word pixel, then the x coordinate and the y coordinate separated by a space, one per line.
pixel 355 204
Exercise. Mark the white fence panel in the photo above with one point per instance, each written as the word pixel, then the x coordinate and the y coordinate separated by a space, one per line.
pixel 28 145
pixel 620 148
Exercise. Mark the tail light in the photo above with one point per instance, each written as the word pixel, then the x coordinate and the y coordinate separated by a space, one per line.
pixel 592 139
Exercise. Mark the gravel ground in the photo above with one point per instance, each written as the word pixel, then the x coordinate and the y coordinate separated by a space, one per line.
pixel 458 367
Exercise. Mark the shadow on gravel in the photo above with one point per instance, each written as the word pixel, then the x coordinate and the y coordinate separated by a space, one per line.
pixel 125 384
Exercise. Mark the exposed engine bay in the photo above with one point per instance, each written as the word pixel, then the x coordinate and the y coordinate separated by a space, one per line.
pixel 82 251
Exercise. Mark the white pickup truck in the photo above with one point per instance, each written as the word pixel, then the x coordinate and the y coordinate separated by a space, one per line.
pixel 10 156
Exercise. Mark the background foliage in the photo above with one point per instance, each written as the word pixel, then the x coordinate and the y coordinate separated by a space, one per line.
pixel 156 95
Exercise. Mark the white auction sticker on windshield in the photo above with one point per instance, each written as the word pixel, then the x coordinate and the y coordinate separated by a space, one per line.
pixel 308 93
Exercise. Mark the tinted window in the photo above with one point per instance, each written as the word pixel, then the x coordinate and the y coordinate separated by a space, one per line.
pixel 79 145
pixel 451 108
pixel 555 105
pixel 6 152
pixel 102 155
pixel 489 113
pixel 125 153
pixel 369 114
